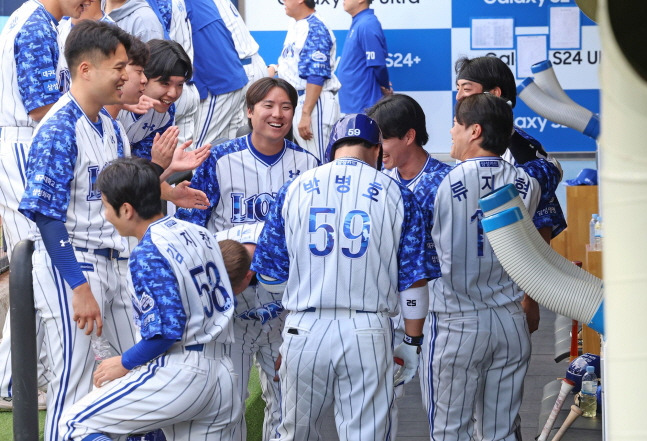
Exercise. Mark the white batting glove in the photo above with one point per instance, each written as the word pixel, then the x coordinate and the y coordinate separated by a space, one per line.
pixel 407 357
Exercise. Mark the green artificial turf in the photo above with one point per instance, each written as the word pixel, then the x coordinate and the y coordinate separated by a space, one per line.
pixel 253 414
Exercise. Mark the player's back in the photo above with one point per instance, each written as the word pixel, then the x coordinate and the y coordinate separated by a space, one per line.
pixel 343 223
pixel 194 257
pixel 32 23
pixel 472 277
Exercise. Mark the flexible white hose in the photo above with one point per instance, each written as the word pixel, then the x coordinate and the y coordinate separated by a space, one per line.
pixel 543 274
pixel 547 81
pixel 571 115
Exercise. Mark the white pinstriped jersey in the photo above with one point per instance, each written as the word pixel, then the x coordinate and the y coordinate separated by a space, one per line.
pixel 180 30
pixel 245 44
pixel 28 78
pixel 344 236
pixel 141 129
pixel 67 154
pixel 472 277
pixel 309 48
pixel 181 286
pixel 240 185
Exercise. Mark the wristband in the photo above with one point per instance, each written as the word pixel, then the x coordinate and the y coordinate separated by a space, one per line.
pixel 158 169
pixel 413 341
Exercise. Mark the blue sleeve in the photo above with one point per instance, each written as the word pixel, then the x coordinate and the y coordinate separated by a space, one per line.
pixel 36 54
pixel 549 212
pixel 371 39
pixel 204 179
pixel 145 350
pixel 414 257
pixel 157 303
pixel 50 170
pixel 271 256
pixel 314 58
pixel 381 76
pixel 58 246
pixel 316 79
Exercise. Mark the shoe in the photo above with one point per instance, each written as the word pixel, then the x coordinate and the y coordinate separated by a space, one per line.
pixel 6 404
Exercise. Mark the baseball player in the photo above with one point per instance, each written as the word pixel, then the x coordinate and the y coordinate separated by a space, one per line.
pixel 475 362
pixel 219 76
pixel 167 69
pixel 362 66
pixel 344 239
pixel 78 278
pixel 29 53
pixel 492 75
pixel 241 178
pixel 176 377
pixel 308 62
pixel 258 322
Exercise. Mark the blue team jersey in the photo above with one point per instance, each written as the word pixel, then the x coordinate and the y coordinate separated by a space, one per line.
pixel 29 53
pixel 181 287
pixel 67 154
pixel 221 70
pixel 344 235
pixel 364 48
pixel 240 184
pixel 141 129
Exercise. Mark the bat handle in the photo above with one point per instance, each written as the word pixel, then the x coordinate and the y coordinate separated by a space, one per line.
pixel 572 416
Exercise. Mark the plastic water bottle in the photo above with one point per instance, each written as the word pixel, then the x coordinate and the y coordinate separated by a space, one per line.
pixel 588 397
pixel 598 235
pixel 594 219
pixel 101 348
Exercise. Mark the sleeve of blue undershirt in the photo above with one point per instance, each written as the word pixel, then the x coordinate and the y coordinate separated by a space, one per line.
pixel 316 79
pixel 381 75
pixel 145 351
pixel 58 246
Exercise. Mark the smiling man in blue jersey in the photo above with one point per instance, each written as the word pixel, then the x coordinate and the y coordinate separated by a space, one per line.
pixel 362 68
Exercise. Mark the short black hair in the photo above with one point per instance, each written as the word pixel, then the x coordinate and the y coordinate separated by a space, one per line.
pixel 310 3
pixel 131 180
pixel 90 39
pixel 260 88
pixel 396 114
pixel 490 72
pixel 493 114
pixel 167 59
pixel 138 54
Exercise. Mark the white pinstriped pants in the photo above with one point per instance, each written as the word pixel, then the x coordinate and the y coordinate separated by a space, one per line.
pixel 472 372
pixel 324 116
pixel 219 116
pixel 346 363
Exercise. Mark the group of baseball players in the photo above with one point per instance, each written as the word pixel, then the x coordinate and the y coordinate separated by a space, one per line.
pixel 322 248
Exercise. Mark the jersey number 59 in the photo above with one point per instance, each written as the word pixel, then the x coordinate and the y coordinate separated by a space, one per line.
pixel 350 231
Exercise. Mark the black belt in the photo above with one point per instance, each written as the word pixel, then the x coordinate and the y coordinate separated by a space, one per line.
pixel 108 253
pixel 197 348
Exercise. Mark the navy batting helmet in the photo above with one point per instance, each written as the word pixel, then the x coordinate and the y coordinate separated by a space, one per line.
pixel 577 369
pixel 353 126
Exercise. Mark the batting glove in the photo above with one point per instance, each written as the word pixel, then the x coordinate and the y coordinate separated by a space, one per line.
pixel 406 355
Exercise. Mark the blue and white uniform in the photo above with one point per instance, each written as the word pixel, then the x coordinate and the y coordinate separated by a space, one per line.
pixel 309 55
pixel 141 129
pixel 258 322
pixel 362 66
pixel 241 183
pixel 181 292
pixel 477 355
pixel 219 77
pixel 347 239
pixel 68 152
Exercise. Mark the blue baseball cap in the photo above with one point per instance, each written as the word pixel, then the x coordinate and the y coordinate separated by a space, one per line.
pixel 587 176
pixel 353 126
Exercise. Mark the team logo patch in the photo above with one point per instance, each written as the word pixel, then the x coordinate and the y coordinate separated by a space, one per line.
pixel 489 163
pixel 319 56
pixel 146 303
pixel 169 223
